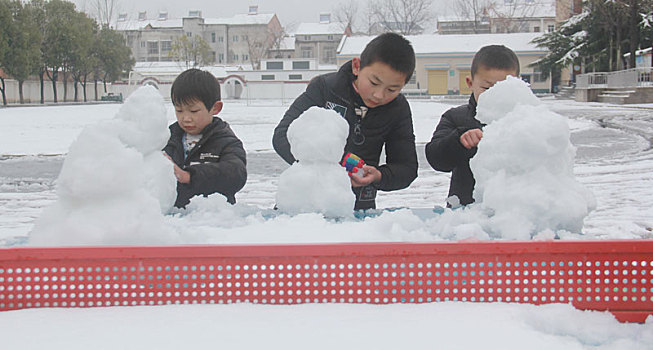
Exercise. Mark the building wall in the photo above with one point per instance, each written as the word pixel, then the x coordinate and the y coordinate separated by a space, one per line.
pixel 321 47
pixel 228 43
pixel 444 74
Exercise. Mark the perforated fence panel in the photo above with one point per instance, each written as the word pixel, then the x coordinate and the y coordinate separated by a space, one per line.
pixel 595 275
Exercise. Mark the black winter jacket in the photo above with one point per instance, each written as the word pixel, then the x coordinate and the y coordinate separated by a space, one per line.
pixel 216 164
pixel 446 153
pixel 390 125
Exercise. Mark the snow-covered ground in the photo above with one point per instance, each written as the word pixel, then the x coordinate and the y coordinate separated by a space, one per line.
pixel 614 160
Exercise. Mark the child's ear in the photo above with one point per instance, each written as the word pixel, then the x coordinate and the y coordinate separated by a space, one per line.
pixel 356 65
pixel 217 107
pixel 468 80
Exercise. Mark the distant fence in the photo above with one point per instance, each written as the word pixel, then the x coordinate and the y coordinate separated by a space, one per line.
pixel 635 77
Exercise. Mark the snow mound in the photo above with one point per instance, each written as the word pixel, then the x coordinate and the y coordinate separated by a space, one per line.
pixel 524 166
pixel 317 183
pixel 115 183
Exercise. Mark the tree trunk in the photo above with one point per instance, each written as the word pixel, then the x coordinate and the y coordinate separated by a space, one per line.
pixel 618 54
pixel 65 86
pixel 41 80
pixel 634 32
pixel 2 90
pixel 610 53
pixel 95 87
pixel 84 89
pixel 53 78
pixel 75 89
pixel 20 92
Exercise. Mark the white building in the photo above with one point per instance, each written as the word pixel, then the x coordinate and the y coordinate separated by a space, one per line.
pixel 320 40
pixel 241 39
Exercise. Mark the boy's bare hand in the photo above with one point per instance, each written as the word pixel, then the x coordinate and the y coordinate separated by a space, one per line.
pixel 471 138
pixel 371 174
pixel 182 175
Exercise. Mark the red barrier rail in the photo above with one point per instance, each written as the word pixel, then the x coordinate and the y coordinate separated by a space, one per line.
pixel 592 275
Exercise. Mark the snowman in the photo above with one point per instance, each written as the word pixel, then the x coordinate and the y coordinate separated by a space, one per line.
pixel 317 183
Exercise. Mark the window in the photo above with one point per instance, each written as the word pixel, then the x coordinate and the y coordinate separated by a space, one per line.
pixel 329 37
pixel 538 77
pixel 220 39
pixel 189 34
pixel 274 65
pixel 166 46
pixel 142 44
pixel 245 57
pixel 550 28
pixel 152 47
pixel 234 38
pixel 267 77
pixel 307 52
pixel 329 54
pixel 213 37
pixel 235 57
pixel 243 37
pixel 212 56
pixel 295 77
pixel 536 29
pixel 307 37
pixel 221 58
pixel 300 65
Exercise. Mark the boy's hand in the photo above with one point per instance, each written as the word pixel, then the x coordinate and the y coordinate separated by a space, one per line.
pixel 370 175
pixel 181 175
pixel 471 138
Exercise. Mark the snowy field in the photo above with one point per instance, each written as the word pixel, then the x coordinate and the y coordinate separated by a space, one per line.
pixel 614 160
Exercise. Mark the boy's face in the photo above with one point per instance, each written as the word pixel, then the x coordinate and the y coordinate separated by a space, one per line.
pixel 193 117
pixel 378 83
pixel 485 78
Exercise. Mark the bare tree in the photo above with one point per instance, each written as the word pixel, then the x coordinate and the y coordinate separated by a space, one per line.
pixel 403 16
pixel 472 10
pixel 512 17
pixel 346 13
pixel 258 44
pixel 276 40
pixel 105 11
pixel 194 52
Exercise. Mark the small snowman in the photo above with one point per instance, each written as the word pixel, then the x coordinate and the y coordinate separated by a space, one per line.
pixel 317 182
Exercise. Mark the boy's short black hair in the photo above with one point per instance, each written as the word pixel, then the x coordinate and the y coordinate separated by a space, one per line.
pixel 393 50
pixel 195 84
pixel 495 57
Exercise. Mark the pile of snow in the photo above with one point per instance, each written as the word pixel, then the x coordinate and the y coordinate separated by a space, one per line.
pixel 317 183
pixel 115 183
pixel 524 165
pixel 444 325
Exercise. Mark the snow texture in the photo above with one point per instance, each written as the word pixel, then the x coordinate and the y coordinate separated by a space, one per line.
pixel 115 183
pixel 524 166
pixel 317 183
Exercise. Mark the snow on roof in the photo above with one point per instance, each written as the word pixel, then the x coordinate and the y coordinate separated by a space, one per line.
pixel 320 28
pixel 449 44
pixel 515 9
pixel 534 8
pixel 240 19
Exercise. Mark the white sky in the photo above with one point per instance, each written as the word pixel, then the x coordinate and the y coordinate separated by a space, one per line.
pixel 289 11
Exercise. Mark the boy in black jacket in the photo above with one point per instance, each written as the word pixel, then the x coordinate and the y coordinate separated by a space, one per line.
pixel 366 92
pixel 207 155
pixel 458 134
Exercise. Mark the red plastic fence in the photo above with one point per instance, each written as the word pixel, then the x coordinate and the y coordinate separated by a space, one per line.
pixel 595 275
